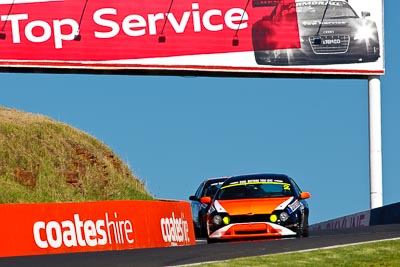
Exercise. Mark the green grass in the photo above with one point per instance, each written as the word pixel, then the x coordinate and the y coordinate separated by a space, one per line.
pixel 375 254
pixel 38 156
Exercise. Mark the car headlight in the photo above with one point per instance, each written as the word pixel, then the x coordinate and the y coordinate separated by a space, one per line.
pixel 365 32
pixel 217 219
pixel 283 216
pixel 226 220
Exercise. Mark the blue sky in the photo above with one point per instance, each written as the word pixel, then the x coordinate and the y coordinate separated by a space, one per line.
pixel 176 131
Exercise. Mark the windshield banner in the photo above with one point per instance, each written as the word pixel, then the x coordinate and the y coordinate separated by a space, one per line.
pixel 241 36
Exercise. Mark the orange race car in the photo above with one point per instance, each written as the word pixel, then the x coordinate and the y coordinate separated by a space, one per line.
pixel 257 206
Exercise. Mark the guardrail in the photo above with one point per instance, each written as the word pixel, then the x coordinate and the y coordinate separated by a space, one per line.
pixel 389 214
pixel 53 228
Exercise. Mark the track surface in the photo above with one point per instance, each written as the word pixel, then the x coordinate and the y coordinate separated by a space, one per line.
pixel 203 252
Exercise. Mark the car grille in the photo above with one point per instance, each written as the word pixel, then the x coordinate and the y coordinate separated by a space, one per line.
pixel 330 44
pixel 249 218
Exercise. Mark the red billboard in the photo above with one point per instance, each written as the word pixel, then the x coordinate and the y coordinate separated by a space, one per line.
pixel 53 228
pixel 265 36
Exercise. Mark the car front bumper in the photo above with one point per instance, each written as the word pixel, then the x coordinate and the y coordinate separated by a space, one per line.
pixel 356 52
pixel 251 230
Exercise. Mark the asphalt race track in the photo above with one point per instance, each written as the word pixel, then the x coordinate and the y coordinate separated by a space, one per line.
pixel 174 256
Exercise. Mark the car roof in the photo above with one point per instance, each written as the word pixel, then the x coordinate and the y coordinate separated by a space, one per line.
pixel 216 179
pixel 273 176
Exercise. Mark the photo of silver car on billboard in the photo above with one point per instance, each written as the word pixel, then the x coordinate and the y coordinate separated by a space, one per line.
pixel 330 32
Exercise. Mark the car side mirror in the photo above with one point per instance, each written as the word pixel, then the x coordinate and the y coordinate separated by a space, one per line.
pixel 205 200
pixel 365 14
pixel 305 195
pixel 194 198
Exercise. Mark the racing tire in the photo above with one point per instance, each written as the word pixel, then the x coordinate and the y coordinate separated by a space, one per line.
pixel 302 229
pixel 203 228
pixel 305 230
pixel 298 232
pixel 197 231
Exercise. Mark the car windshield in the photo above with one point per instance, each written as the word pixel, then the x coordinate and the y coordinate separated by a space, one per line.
pixel 255 190
pixel 211 189
pixel 314 10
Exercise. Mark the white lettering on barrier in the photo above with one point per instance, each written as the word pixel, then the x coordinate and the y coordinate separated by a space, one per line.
pixel 76 232
pixel 175 229
pixel 132 25
pixel 360 219
pixel 354 221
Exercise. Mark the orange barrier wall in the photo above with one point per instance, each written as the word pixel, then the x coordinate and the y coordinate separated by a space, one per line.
pixel 33 229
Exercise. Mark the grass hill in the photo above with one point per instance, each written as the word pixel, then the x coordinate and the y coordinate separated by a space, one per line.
pixel 42 160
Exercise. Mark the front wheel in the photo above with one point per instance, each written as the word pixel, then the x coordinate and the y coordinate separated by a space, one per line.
pixel 197 231
pixel 305 230
pixel 302 228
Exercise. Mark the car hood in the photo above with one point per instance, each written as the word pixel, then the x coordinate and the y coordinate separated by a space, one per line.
pixel 331 23
pixel 337 26
pixel 252 206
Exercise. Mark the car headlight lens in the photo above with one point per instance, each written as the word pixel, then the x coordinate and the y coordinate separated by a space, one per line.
pixel 364 32
pixel 226 220
pixel 283 216
pixel 273 218
pixel 217 219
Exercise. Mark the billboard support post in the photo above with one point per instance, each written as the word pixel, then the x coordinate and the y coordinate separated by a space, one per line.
pixel 375 142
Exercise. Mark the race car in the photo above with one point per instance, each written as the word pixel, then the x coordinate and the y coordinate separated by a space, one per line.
pixel 257 206
pixel 327 32
pixel 207 188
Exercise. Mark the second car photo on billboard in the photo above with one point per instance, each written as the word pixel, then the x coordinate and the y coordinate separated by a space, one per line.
pixel 330 32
